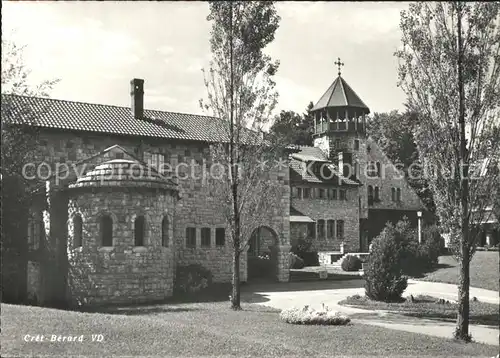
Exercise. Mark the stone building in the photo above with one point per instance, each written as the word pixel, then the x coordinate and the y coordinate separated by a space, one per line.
pixel 118 239
pixel 117 229
pixel 343 207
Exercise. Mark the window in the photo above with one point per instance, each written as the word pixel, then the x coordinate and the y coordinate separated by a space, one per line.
pixel 321 193
pixel 398 192
pixel 139 230
pixel 77 231
pixel 164 232
pixel 220 236
pixel 36 231
pixel 205 237
pixel 106 228
pixel 342 194
pixel 330 227
pixel 371 170
pixel 307 193
pixel 191 237
pixel 158 161
pixel 393 194
pixel 337 144
pixel 299 193
pixel 370 194
pixel 311 230
pixel 379 169
pixel 340 229
pixel 356 144
pixel 377 194
pixel 321 228
pixel 333 194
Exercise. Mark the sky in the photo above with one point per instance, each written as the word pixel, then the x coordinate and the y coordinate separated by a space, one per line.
pixel 96 48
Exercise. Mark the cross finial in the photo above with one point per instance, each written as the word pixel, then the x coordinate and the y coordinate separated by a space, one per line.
pixel 338 63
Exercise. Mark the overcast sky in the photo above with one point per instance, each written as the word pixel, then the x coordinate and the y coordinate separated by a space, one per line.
pixel 95 48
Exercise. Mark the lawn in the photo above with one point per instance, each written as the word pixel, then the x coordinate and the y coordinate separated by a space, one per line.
pixel 208 329
pixel 429 307
pixel 484 270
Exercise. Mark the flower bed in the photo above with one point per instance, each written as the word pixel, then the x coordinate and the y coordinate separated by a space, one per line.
pixel 310 316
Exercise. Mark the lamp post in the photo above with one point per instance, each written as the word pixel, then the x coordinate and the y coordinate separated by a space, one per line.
pixel 419 215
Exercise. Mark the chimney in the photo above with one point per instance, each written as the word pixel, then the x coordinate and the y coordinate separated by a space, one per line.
pixel 137 97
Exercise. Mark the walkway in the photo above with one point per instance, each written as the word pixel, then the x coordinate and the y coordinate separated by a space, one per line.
pixel 329 293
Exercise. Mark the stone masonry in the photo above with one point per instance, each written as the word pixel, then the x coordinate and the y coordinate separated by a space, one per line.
pixel 195 208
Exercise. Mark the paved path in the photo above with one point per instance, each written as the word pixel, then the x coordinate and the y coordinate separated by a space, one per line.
pixel 329 293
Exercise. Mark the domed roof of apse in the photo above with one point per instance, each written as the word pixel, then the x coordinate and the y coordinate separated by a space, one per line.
pixel 123 173
pixel 340 94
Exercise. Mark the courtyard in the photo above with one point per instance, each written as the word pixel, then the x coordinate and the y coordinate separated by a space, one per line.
pixel 211 329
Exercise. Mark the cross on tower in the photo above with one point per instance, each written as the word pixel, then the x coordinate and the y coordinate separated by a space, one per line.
pixel 338 63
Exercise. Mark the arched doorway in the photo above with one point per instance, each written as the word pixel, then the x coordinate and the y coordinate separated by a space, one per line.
pixel 262 255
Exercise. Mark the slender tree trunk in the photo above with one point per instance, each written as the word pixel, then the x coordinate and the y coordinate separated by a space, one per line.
pixel 235 297
pixel 462 329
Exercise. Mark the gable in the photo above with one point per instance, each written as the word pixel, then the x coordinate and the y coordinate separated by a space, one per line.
pixel 391 177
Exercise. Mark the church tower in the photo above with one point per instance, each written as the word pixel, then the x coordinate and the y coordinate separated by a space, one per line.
pixel 340 131
pixel 340 123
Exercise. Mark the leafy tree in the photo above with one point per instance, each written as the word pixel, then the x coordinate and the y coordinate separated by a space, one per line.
pixel 294 128
pixel 241 93
pixel 449 69
pixel 19 146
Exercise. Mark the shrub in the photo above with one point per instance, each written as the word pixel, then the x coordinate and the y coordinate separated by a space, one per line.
pixel 191 278
pixel 307 315
pixel 305 250
pixel 432 246
pixel 296 262
pixel 303 245
pixel 351 263
pixel 384 272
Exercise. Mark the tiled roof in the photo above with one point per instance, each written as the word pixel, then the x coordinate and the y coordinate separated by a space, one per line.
pixel 122 173
pixel 340 94
pixel 307 154
pixel 89 117
pixel 298 173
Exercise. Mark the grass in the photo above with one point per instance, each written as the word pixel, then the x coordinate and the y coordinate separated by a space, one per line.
pixel 484 271
pixel 208 329
pixel 428 307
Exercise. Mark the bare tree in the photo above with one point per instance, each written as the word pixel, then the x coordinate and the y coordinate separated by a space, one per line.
pixel 241 93
pixel 449 69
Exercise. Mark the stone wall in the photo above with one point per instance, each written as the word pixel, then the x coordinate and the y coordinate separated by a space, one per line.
pixel 325 209
pixel 122 273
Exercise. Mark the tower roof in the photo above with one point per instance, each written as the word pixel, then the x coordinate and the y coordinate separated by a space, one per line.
pixel 340 94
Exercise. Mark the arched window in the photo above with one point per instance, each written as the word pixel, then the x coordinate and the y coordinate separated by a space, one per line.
pixel 379 169
pixel 370 192
pixel 106 228
pixel 393 194
pixel 77 231
pixel 377 193
pixel 164 232
pixel 139 228
pixel 398 194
